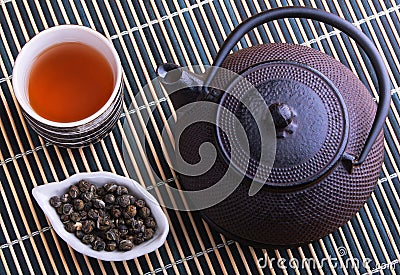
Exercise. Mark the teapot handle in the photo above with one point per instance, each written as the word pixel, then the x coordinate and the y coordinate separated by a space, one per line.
pixel 337 22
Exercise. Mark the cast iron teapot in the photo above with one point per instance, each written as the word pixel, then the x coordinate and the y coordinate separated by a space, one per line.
pixel 329 138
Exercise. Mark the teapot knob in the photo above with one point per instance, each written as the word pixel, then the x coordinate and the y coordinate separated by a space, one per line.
pixel 281 114
pixel 335 21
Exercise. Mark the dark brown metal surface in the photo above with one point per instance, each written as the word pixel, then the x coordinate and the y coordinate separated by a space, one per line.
pixel 289 217
pixel 310 145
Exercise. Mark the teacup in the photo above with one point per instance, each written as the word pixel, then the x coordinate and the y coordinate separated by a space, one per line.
pixel 77 133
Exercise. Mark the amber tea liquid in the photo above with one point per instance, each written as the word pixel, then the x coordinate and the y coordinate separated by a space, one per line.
pixel 69 82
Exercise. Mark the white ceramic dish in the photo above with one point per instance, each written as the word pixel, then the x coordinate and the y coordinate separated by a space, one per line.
pixel 43 193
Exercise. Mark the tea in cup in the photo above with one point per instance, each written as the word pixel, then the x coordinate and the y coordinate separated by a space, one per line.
pixel 68 82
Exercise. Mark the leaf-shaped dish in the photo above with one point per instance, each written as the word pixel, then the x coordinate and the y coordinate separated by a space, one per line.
pixel 43 193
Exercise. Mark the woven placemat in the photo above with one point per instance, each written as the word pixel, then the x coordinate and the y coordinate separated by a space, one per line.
pixel 148 33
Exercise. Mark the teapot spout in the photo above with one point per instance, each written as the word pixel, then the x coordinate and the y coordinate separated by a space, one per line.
pixel 182 86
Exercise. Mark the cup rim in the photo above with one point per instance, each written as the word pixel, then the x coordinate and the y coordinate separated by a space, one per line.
pixel 25 51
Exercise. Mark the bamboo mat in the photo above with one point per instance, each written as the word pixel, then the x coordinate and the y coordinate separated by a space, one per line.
pixel 186 32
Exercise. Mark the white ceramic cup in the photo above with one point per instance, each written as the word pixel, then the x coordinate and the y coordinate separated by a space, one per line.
pixel 91 125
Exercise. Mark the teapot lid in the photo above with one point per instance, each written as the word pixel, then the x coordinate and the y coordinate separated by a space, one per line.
pixel 309 116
